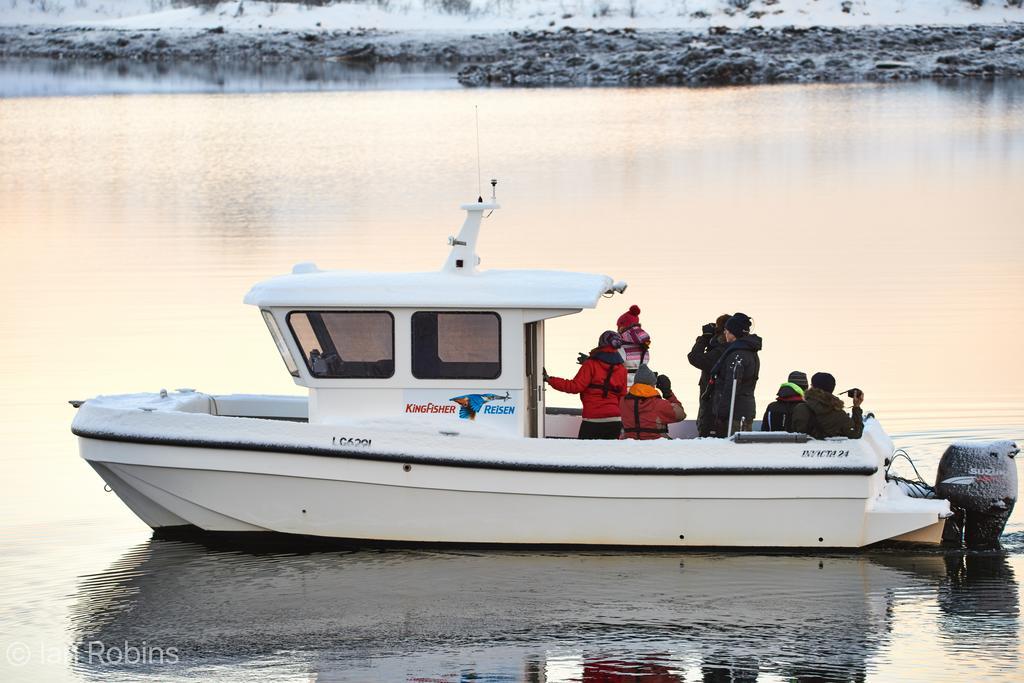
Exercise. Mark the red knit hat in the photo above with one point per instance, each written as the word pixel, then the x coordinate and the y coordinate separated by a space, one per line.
pixel 630 317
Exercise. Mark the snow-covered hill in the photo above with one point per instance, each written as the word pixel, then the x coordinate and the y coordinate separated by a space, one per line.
pixel 483 15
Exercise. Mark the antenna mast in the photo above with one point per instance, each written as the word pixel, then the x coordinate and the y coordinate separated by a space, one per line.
pixel 479 182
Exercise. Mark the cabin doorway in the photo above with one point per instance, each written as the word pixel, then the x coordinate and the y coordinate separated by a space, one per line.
pixel 535 379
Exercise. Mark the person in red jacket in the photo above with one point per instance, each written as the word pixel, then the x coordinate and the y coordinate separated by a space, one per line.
pixel 600 382
pixel 645 415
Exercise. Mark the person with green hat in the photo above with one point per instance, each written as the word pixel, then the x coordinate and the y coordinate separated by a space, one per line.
pixel 778 417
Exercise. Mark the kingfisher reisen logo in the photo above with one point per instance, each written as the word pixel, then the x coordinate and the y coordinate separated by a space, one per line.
pixel 471 404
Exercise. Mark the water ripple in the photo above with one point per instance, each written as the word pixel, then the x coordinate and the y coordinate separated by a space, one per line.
pixel 385 614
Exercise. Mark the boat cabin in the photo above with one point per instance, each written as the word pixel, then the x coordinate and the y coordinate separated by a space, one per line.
pixel 450 346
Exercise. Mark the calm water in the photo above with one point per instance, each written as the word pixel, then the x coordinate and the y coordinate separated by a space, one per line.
pixel 872 231
pixel 48 77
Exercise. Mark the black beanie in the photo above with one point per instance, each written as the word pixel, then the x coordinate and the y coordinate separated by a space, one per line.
pixel 823 381
pixel 738 324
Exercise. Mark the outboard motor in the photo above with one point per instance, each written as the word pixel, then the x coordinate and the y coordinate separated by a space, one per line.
pixel 980 482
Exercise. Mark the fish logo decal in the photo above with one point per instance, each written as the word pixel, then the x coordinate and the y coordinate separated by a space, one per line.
pixel 471 404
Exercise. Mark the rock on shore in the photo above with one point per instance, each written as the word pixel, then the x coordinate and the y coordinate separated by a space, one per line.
pixel 358 46
pixel 572 57
pixel 725 57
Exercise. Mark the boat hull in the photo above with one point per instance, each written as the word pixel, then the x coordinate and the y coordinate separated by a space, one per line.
pixel 238 490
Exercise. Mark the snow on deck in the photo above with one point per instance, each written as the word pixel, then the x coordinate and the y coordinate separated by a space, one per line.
pixel 893 499
pixel 547 289
pixel 184 417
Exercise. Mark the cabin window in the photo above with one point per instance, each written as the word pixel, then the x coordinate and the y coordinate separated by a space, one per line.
pixel 282 348
pixel 346 344
pixel 456 345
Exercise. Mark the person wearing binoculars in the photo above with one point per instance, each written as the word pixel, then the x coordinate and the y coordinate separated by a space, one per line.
pixel 734 378
pixel 822 414
pixel 706 351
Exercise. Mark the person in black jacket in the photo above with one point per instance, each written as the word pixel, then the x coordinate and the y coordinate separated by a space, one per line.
pixel 778 417
pixel 705 353
pixel 739 363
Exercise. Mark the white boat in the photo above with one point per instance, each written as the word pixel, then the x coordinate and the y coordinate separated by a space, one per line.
pixel 425 422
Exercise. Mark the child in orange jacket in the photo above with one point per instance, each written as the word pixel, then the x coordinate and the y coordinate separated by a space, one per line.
pixel 645 414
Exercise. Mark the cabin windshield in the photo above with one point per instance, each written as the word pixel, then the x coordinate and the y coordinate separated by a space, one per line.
pixel 282 348
pixel 345 344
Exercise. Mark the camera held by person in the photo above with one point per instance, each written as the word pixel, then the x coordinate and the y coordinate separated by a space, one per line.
pixel 856 394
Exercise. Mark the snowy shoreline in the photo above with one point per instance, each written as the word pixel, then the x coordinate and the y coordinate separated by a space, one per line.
pixel 538 42
pixel 568 56
pixel 493 16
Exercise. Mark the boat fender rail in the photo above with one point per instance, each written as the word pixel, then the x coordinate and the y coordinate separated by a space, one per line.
pixel 576 412
pixel 770 437
pixel 405 458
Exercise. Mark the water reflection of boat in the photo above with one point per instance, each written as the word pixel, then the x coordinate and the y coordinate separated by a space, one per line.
pixel 980 585
pixel 397 614
pixel 426 420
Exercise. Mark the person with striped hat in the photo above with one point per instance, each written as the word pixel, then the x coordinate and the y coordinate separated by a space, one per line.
pixel 636 343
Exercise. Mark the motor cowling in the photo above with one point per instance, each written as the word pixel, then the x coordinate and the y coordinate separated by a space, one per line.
pixel 980 482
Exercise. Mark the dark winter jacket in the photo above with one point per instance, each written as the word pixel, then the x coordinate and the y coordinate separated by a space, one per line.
pixel 821 415
pixel 705 353
pixel 740 361
pixel 779 415
pixel 600 381
pixel 703 356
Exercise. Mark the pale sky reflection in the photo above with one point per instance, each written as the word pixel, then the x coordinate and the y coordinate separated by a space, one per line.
pixel 872 231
